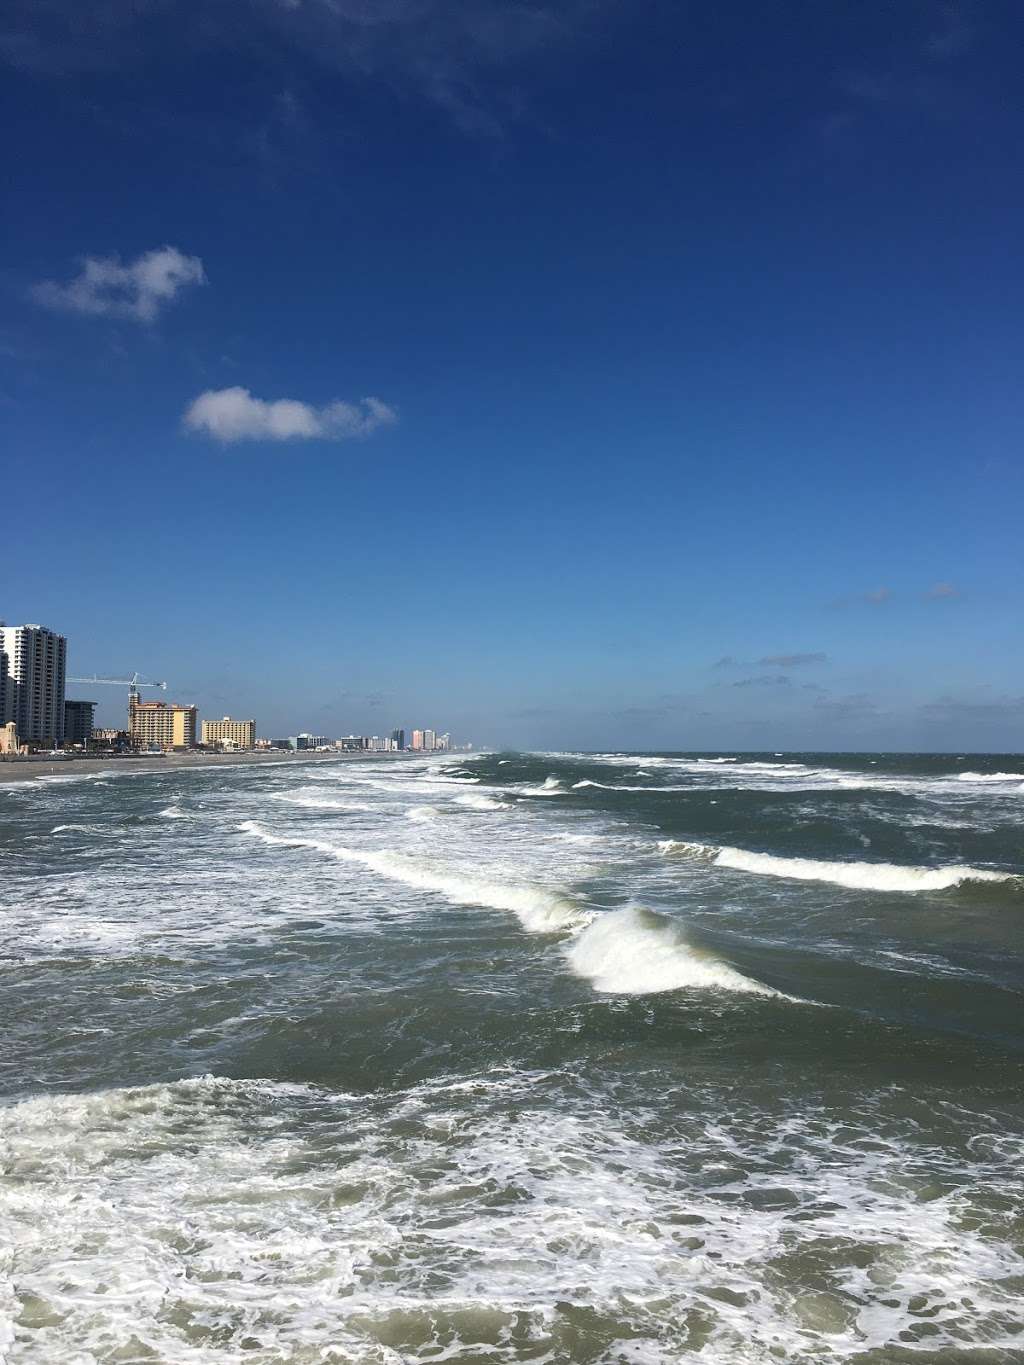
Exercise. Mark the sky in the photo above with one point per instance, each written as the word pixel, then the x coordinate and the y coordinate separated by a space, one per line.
pixel 581 374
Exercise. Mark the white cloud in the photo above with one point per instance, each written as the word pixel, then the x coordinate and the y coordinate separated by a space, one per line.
pixel 235 415
pixel 106 288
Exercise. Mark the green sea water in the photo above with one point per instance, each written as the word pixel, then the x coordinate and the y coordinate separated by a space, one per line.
pixel 564 1058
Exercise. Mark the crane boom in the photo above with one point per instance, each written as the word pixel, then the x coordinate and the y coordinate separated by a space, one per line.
pixel 121 682
pixel 133 684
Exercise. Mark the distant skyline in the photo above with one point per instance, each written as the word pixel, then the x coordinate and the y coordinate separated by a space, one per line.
pixel 588 375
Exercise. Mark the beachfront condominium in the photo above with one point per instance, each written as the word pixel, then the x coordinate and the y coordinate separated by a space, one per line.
pixel 78 721
pixel 36 664
pixel 161 724
pixel 429 740
pixel 230 734
pixel 398 740
pixel 417 740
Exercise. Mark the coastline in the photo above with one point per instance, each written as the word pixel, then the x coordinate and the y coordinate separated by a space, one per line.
pixel 25 769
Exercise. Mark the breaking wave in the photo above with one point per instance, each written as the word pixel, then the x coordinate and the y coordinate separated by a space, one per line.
pixel 318 802
pixel 638 952
pixel 856 876
pixel 551 786
pixel 538 910
pixel 479 802
pixel 421 814
pixel 990 777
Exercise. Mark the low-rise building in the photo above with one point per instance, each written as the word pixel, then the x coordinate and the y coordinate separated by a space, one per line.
pixel 234 734
pixel 305 741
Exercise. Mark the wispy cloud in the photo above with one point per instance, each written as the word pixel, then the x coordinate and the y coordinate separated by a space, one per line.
pixel 792 660
pixel 104 287
pixel 985 709
pixel 952 35
pixel 858 706
pixel 459 57
pixel 877 597
pixel 938 591
pixel 771 661
pixel 764 680
pixel 233 414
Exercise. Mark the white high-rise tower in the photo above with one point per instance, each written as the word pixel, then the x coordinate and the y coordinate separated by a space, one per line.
pixel 36 663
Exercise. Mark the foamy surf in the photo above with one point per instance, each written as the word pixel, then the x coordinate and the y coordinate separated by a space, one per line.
pixel 990 777
pixel 421 814
pixel 551 786
pixel 538 910
pixel 472 801
pixel 318 802
pixel 853 875
pixel 638 952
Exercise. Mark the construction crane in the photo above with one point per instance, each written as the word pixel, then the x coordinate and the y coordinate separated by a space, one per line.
pixel 133 684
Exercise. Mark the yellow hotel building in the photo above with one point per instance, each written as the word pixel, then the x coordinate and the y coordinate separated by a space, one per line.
pixel 162 725
pixel 237 734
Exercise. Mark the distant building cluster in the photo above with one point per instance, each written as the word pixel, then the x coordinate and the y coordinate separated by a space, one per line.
pixel 36 714
pixel 423 741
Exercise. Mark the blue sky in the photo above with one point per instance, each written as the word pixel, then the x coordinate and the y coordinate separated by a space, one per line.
pixel 570 375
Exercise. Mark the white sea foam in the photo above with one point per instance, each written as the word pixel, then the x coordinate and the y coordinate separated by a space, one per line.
pixel 201 1216
pixel 855 875
pixel 318 802
pixel 625 787
pixel 538 909
pixel 638 952
pixel 551 786
pixel 473 801
pixel 990 777
pixel 173 813
pixel 421 814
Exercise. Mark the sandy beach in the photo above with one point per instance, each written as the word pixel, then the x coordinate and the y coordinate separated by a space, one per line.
pixel 25 769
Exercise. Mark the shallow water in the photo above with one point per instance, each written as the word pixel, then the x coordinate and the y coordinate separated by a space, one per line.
pixel 607 1058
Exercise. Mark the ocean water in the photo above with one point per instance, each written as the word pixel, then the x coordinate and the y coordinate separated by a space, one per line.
pixel 608 1058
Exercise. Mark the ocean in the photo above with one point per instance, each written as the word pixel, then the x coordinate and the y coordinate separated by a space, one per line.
pixel 617 1058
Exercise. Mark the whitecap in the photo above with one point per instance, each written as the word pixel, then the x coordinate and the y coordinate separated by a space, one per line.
pixel 538 909
pixel 638 952
pixel 853 875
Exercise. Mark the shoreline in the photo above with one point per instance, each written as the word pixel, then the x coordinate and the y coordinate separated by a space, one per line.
pixel 25 769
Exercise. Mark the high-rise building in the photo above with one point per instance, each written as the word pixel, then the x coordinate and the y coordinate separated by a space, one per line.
pixel 78 721
pixel 417 740
pixel 398 739
pixel 36 664
pixel 161 724
pixel 429 740
pixel 237 734
pixel 5 689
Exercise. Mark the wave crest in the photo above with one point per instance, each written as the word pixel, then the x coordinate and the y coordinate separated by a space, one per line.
pixel 638 952
pixel 538 910
pixel 853 875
